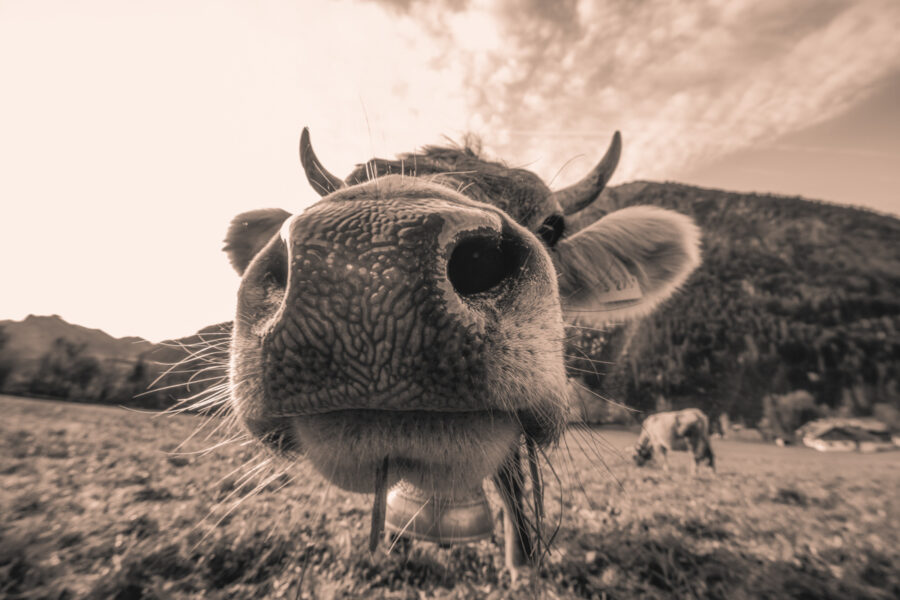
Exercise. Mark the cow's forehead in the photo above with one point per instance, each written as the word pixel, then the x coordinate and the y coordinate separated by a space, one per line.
pixel 419 194
pixel 518 192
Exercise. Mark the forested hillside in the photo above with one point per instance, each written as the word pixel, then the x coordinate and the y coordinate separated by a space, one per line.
pixel 792 295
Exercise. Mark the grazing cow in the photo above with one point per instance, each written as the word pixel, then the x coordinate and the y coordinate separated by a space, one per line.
pixel 686 429
pixel 408 328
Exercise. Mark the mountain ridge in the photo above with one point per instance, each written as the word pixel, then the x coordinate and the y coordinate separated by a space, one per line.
pixel 32 337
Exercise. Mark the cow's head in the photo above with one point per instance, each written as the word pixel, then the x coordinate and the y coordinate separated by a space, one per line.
pixel 703 453
pixel 417 311
pixel 642 454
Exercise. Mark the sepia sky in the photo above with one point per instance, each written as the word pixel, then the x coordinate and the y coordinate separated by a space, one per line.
pixel 131 132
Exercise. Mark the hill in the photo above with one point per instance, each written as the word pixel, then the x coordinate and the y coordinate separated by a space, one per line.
pixel 47 356
pixel 33 337
pixel 793 294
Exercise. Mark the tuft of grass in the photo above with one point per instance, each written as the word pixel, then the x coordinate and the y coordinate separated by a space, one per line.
pixel 789 496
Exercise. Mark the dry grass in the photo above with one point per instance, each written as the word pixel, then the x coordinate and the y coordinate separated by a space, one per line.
pixel 93 503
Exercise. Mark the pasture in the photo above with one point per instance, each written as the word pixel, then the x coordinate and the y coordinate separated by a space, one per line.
pixel 96 503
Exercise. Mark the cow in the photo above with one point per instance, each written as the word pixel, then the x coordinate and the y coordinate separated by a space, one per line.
pixel 685 430
pixel 407 329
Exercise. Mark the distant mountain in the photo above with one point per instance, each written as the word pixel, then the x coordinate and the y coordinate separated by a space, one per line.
pixel 33 337
pixel 47 356
pixel 792 294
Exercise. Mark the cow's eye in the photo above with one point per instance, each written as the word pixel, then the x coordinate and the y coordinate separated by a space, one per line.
pixel 275 273
pixel 552 229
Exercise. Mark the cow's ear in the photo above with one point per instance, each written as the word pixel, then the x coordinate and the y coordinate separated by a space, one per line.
pixel 249 232
pixel 625 264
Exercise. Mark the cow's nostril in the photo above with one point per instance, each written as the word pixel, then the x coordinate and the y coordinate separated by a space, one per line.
pixel 479 264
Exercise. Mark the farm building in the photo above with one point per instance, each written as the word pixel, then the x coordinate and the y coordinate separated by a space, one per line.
pixel 847 435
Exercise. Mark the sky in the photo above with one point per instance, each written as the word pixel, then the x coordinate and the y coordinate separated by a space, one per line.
pixel 132 132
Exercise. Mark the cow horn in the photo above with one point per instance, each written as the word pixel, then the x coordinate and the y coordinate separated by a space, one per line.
pixel 319 178
pixel 580 195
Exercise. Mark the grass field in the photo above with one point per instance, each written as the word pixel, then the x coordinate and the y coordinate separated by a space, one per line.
pixel 95 503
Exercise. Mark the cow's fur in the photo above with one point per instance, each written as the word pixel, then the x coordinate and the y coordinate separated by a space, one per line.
pixel 684 430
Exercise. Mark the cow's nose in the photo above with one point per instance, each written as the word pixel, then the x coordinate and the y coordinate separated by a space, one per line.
pixel 482 263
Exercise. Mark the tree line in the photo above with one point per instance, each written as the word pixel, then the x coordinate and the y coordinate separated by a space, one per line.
pixel 68 371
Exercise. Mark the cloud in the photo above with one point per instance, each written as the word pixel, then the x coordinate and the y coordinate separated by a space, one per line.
pixel 133 133
pixel 685 82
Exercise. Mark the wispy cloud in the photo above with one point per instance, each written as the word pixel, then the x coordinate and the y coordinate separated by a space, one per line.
pixel 685 81
pixel 834 150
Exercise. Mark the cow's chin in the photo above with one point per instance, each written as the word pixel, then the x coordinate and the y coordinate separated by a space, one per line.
pixel 442 453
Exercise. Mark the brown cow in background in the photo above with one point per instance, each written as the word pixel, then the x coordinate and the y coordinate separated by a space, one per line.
pixel 682 430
